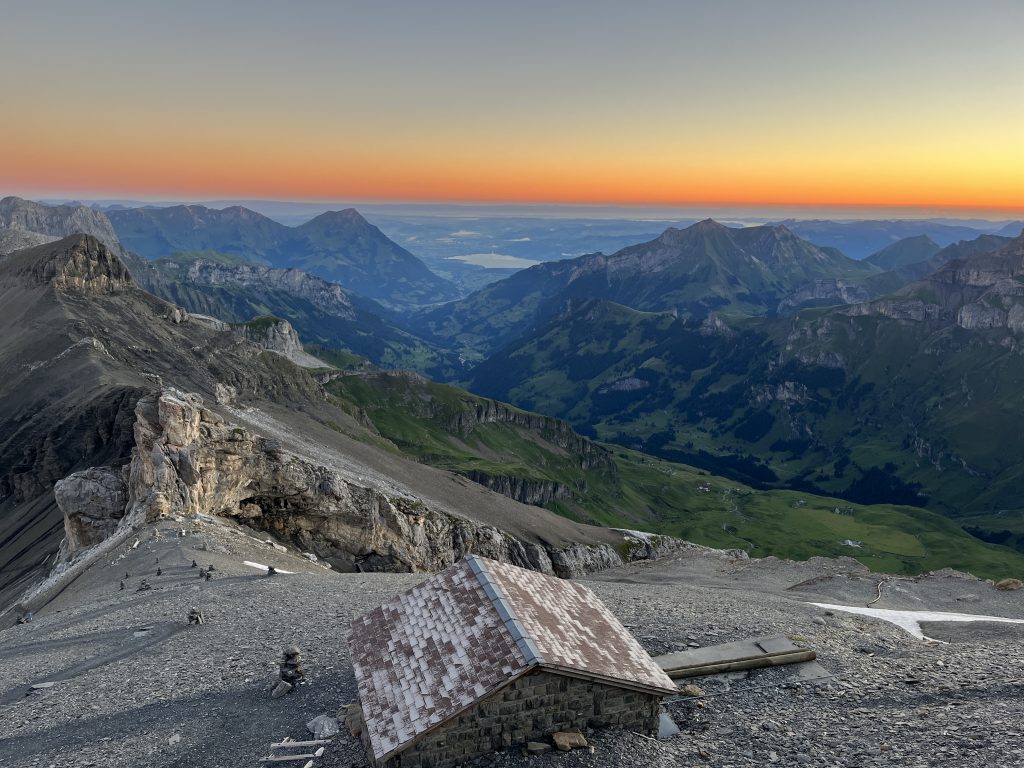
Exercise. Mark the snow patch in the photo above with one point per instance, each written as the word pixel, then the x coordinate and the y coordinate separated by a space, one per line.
pixel 911 620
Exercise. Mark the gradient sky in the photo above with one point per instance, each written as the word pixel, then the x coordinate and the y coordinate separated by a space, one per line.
pixel 747 103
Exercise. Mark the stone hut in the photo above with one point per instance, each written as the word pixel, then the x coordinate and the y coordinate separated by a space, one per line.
pixel 486 656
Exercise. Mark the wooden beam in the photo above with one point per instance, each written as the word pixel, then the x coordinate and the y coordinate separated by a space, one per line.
pixel 287 758
pixel 289 744
pixel 731 657
pixel 742 664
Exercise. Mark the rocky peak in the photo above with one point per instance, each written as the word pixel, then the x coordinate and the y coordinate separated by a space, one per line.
pixel 57 221
pixel 674 236
pixel 348 219
pixel 12 240
pixel 325 295
pixel 79 262
pixel 276 335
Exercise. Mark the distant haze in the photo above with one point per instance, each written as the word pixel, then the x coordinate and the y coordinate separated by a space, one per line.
pixel 746 104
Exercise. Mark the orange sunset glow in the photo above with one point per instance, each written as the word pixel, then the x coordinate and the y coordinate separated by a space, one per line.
pixel 522 106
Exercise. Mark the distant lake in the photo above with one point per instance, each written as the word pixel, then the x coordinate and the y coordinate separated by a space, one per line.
pixel 495 260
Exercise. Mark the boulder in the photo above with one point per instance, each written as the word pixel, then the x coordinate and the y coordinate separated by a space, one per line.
pixel 323 727
pixel 93 502
pixel 568 740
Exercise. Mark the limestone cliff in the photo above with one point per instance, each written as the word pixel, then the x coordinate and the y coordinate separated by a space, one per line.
pixel 825 292
pixel 276 335
pixel 15 239
pixel 188 460
pixel 57 221
pixel 981 291
pixel 79 262
pixel 469 412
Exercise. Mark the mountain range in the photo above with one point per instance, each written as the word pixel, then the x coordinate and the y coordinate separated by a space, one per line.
pixel 859 239
pixel 704 268
pixel 322 312
pixel 119 408
pixel 803 376
pixel 340 246
pixel 909 397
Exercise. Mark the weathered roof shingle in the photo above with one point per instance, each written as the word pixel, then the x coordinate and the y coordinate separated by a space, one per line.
pixel 476 626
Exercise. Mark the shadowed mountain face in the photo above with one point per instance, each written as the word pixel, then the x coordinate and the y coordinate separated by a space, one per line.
pixel 909 397
pixel 89 359
pixel 56 221
pixel 860 239
pixel 910 250
pixel 704 268
pixel 322 312
pixel 339 245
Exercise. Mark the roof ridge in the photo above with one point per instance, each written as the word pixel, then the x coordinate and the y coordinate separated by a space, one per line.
pixel 499 599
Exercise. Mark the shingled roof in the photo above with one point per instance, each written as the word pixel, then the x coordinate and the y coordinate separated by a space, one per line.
pixel 473 628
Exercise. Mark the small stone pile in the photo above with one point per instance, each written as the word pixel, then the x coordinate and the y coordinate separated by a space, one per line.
pixel 291 671
pixel 195 616
pixel 291 665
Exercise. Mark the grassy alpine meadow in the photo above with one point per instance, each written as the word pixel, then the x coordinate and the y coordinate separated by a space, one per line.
pixel 450 428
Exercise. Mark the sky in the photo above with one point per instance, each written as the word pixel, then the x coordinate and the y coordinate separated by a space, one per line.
pixel 784 103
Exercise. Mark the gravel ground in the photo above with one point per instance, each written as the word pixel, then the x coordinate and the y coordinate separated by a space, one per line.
pixel 135 686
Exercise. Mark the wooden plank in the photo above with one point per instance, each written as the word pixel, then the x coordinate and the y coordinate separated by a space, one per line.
pixel 289 744
pixel 777 645
pixel 286 758
pixel 744 654
pixel 742 664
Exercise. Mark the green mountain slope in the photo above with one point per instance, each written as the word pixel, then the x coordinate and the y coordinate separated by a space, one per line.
pixel 909 250
pixel 704 268
pixel 540 460
pixel 338 245
pixel 910 398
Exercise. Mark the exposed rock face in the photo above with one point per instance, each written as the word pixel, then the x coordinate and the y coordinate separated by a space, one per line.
pixel 825 292
pixel 981 291
pixel 471 413
pixel 327 296
pixel 79 262
pixel 15 239
pixel 187 460
pixel 522 489
pixel 93 502
pixel 57 221
pixel 276 335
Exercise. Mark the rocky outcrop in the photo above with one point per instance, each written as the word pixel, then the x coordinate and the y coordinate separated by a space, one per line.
pixel 824 292
pixel 57 221
pixel 276 335
pixel 782 392
pixel 525 490
pixel 326 296
pixel 470 412
pixel 910 309
pixel 188 461
pixel 980 292
pixel 78 262
pixel 16 239
pixel 93 502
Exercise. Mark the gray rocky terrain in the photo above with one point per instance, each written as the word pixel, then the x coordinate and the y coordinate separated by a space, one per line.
pixel 99 371
pixel 109 677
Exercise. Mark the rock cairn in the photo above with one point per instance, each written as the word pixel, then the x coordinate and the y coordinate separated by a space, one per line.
pixel 291 665
pixel 291 672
